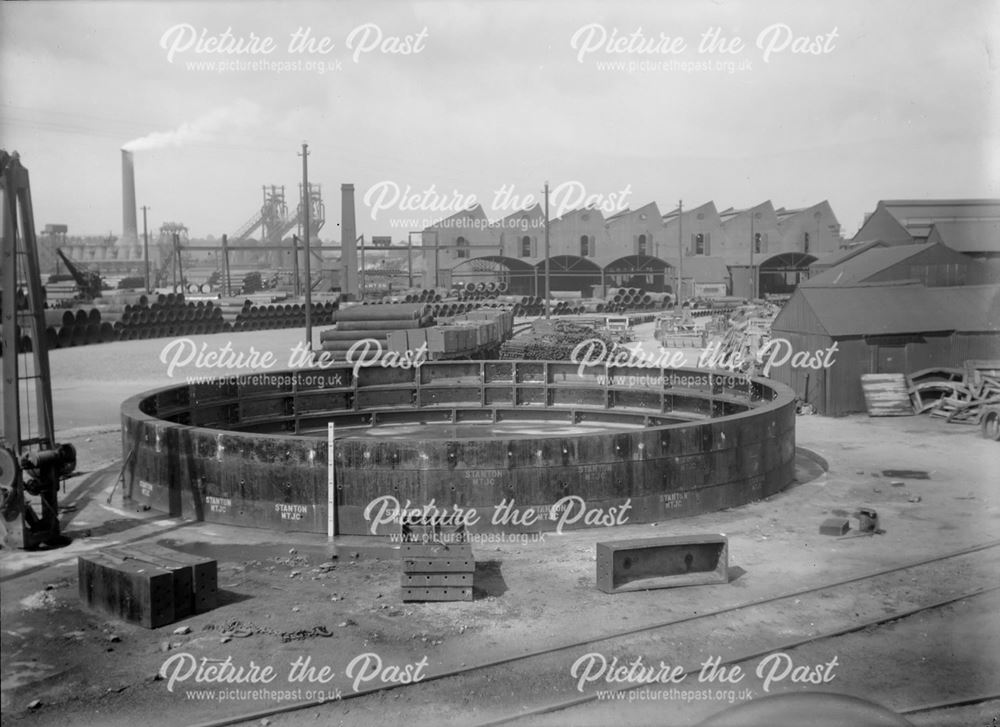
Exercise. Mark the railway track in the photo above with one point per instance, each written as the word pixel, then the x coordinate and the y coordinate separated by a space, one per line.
pixel 541 682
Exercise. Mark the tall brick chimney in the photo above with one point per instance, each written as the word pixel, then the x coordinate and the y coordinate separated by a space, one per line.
pixel 348 243
pixel 130 226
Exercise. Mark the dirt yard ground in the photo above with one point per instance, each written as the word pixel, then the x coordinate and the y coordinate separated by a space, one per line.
pixel 288 599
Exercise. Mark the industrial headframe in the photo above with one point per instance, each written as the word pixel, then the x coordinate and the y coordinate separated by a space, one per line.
pixel 31 463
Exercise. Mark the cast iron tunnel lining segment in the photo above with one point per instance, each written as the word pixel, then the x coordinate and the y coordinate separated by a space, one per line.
pixel 265 462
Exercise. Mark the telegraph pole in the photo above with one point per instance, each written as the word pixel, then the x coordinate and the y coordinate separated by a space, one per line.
pixel 297 290
pixel 547 288
pixel 180 264
pixel 306 233
pixel 680 250
pixel 145 244
pixel 225 262
pixel 753 244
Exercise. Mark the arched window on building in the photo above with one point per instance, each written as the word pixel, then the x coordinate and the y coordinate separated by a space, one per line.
pixel 461 247
pixel 699 243
pixel 805 242
pixel 584 246
pixel 640 245
pixel 526 246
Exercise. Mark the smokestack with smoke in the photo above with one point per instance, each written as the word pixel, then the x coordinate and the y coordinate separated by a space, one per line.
pixel 348 242
pixel 130 227
pixel 206 128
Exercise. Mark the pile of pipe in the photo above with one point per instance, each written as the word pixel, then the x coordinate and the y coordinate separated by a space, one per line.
pixel 424 295
pixel 253 317
pixel 479 291
pixel 620 300
pixel 170 315
pixel 372 321
pixel 77 327
pixel 200 288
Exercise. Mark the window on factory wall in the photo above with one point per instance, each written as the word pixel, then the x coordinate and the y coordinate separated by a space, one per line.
pixel 461 247
pixel 641 245
pixel 758 239
pixel 805 242
pixel 525 246
pixel 584 246
pixel 699 243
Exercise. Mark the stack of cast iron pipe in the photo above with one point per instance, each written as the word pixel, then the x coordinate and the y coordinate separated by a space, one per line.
pixel 282 315
pixel 373 321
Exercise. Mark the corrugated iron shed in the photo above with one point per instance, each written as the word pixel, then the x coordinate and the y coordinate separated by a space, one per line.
pixel 896 219
pixel 827 261
pixel 898 262
pixel 871 310
pixel 968 236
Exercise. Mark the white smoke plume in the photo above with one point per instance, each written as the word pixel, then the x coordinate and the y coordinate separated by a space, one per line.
pixel 207 128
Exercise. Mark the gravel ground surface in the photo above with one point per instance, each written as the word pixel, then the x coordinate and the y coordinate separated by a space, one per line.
pixel 290 598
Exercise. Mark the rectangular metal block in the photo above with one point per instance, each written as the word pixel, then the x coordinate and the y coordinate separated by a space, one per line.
pixel 127 589
pixel 835 526
pixel 204 572
pixel 434 593
pixel 183 578
pixel 423 580
pixel 665 562
pixel 439 565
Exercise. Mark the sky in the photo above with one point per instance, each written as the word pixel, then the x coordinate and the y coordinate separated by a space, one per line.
pixel 427 107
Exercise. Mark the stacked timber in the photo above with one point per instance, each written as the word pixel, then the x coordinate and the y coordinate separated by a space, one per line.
pixel 886 395
pixel 472 296
pixel 960 395
pixel 552 340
